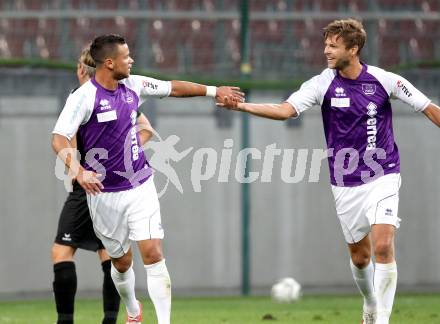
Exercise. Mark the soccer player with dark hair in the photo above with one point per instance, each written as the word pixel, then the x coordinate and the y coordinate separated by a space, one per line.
pixel 75 230
pixel 121 195
pixel 363 156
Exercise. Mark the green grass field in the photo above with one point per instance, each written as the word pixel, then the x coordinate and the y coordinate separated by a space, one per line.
pixel 409 309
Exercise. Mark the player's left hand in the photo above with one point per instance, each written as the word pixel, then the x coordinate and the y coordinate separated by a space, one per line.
pixel 230 103
pixel 89 180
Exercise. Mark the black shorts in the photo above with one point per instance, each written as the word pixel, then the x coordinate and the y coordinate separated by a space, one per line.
pixel 75 227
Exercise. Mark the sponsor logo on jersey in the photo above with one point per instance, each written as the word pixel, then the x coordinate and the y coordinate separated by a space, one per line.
pixel 340 92
pixel 388 212
pixel 105 105
pixel 372 109
pixel 404 88
pixel 66 237
pixel 340 102
pixel 369 89
pixel 107 116
pixel 134 142
pixel 148 84
pixel 133 117
pixel 371 126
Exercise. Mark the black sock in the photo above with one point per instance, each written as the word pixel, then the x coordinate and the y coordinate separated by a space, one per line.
pixel 64 289
pixel 110 296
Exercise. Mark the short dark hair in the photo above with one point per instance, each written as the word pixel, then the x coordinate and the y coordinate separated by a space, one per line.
pixel 351 31
pixel 105 46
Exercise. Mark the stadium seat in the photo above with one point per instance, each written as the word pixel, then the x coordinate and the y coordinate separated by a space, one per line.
pixel 328 5
pixel 232 43
pixel 432 5
pixel 204 45
pixel 163 46
pixel 190 45
pixel 49 30
pixel 358 5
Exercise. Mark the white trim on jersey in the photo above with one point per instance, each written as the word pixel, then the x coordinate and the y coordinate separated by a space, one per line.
pixel 147 87
pixel 312 92
pixel 398 87
pixel 79 105
pixel 77 110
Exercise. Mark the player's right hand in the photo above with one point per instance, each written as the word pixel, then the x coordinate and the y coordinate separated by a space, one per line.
pixel 89 181
pixel 233 93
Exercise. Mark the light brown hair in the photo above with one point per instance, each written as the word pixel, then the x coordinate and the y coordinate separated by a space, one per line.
pixel 86 59
pixel 351 30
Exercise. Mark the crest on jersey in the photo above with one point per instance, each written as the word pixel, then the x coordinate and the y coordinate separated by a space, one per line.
pixel 128 98
pixel 369 89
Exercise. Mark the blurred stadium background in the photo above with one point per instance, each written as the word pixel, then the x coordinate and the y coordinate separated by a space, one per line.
pixel 293 227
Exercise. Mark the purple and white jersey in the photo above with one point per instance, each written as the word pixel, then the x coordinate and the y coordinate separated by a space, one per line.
pixel 106 123
pixel 357 120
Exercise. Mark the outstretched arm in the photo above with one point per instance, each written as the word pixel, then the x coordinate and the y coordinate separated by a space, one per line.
pixel 190 89
pixel 281 111
pixel 433 113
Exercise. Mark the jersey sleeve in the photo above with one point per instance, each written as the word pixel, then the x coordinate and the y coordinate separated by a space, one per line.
pixel 402 89
pixel 76 112
pixel 311 93
pixel 145 86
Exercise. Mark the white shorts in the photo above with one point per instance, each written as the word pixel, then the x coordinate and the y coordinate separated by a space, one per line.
pixel 119 217
pixel 373 203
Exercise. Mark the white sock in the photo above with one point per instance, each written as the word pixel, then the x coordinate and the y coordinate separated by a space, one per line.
pixel 159 288
pixel 364 281
pixel 385 279
pixel 124 283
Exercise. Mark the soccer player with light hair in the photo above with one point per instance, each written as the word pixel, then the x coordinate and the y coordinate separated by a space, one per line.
pixel 119 183
pixel 75 230
pixel 363 156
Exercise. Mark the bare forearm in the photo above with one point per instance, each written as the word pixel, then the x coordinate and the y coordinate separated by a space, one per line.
pixel 65 150
pixel 145 135
pixel 433 113
pixel 145 129
pixel 187 89
pixel 271 111
pixel 190 89
pixel 89 180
